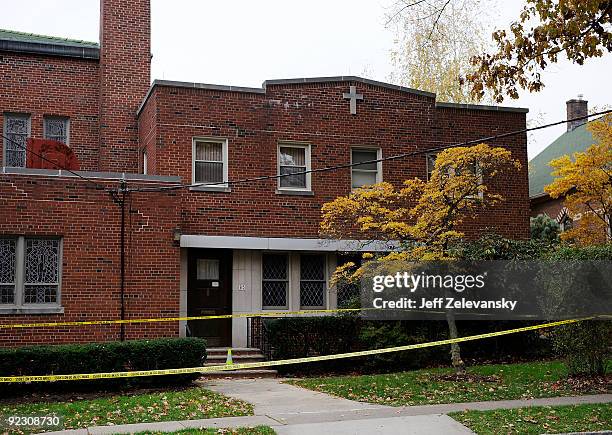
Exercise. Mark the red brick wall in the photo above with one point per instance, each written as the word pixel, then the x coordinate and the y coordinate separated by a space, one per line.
pixel 147 134
pixel 47 85
pixel 511 217
pixel 125 75
pixel 89 223
pixel 395 121
pixel 548 206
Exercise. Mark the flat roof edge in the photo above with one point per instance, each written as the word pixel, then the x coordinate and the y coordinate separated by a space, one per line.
pixel 90 174
pixel 348 79
pixel 50 49
pixel 194 85
pixel 481 107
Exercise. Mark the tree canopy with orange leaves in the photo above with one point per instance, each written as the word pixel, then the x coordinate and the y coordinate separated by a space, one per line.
pixel 424 213
pixel 423 216
pixel 586 182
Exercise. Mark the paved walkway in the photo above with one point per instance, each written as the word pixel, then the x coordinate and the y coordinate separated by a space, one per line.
pixel 293 410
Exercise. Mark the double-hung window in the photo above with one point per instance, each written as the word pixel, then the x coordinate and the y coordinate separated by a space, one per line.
pixel 57 128
pixel 366 171
pixel 313 285
pixel 30 272
pixel 293 161
pixel 16 132
pixel 210 162
pixel 275 281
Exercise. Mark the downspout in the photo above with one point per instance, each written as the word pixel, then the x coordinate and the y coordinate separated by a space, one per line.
pixel 123 190
pixel 120 200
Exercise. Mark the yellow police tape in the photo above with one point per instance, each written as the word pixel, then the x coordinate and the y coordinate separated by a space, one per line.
pixel 175 319
pixel 204 370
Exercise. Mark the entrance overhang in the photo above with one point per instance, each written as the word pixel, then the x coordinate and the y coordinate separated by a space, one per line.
pixel 286 244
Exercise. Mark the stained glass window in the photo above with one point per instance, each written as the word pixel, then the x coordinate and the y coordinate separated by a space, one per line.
pixel 8 265
pixel 56 129
pixel 29 271
pixel 41 271
pixel 16 130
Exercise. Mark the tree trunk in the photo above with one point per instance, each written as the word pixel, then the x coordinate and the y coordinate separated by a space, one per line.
pixel 455 351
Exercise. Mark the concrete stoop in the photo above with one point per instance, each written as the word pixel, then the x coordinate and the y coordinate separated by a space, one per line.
pixel 217 356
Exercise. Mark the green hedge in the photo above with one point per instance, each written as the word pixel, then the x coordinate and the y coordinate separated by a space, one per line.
pixel 163 353
pixel 585 346
pixel 298 337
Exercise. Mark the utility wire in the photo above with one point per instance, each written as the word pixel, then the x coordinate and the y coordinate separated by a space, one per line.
pixel 350 165
pixel 98 185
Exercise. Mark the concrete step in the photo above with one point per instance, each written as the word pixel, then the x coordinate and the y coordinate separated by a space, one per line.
pixel 241 374
pixel 214 351
pixel 238 359
pixel 217 356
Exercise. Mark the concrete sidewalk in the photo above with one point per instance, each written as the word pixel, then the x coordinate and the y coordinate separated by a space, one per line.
pixel 292 410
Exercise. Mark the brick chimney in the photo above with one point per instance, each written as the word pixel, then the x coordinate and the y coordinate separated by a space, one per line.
pixel 125 76
pixel 576 108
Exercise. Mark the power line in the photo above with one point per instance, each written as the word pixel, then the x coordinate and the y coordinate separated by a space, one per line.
pixel 350 165
pixel 98 185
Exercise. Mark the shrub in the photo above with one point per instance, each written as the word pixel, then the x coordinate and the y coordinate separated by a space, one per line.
pixel 495 247
pixel 163 353
pixel 380 335
pixel 544 228
pixel 585 346
pixel 298 337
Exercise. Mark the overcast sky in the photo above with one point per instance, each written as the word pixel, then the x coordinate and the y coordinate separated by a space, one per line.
pixel 244 42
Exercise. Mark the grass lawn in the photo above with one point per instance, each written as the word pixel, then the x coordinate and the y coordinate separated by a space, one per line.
pixel 541 419
pixel 434 386
pixel 257 430
pixel 186 404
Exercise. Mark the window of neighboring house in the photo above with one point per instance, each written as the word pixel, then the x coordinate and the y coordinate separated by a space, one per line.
pixel 16 132
pixel 275 281
pixel 57 128
pixel 210 162
pixel 144 162
pixel 367 173
pixel 293 159
pixel 566 223
pixel 313 284
pixel 29 272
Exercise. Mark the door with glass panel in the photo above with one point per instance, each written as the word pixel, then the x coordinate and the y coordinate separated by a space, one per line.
pixel 210 294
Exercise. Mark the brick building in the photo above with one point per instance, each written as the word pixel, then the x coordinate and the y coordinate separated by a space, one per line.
pixel 577 138
pixel 206 249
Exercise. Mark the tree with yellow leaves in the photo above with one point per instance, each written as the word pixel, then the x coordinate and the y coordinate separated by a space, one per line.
pixel 423 217
pixel 586 183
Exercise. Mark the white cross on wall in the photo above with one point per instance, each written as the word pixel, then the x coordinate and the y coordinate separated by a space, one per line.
pixel 353 96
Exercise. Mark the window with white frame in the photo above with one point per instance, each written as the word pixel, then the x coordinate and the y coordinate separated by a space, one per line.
pixel 313 284
pixel 29 272
pixel 275 281
pixel 57 128
pixel 145 163
pixel 366 172
pixel 16 132
pixel 293 159
pixel 210 162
